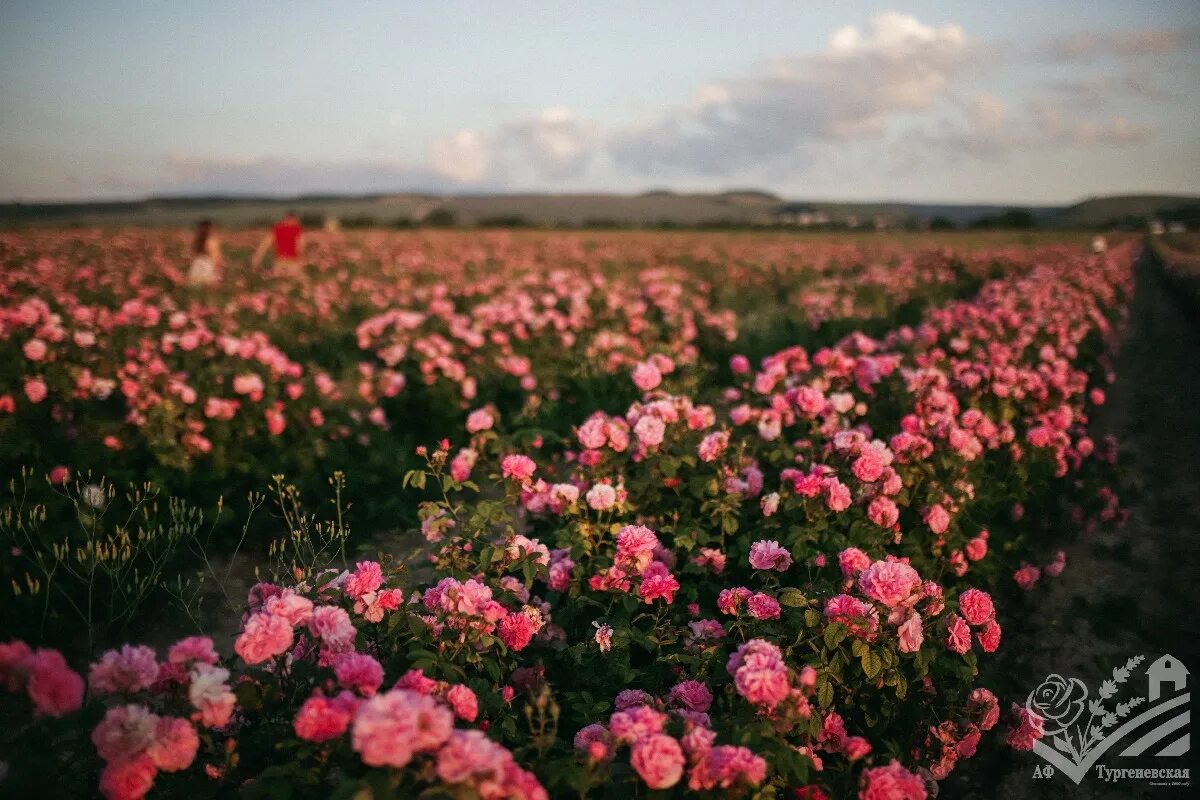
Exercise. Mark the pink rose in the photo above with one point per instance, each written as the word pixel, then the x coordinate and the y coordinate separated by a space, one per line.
pixel 958 638
pixel 891 782
pixel 463 701
pixel 911 634
pixel 658 759
pixel 976 606
pixel 517 467
pixel 769 555
pixel 762 606
pixel 646 376
pixel 889 582
pixel 265 636
pixel 321 718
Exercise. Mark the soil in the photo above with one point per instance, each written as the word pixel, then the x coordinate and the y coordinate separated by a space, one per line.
pixel 1124 590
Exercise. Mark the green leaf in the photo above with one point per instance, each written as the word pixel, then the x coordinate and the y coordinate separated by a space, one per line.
pixel 835 633
pixel 825 692
pixel 792 598
pixel 872 664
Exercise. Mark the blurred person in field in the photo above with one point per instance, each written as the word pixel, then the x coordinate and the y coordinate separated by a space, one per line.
pixel 287 239
pixel 206 256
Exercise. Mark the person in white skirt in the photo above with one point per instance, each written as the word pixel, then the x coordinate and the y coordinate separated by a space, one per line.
pixel 206 256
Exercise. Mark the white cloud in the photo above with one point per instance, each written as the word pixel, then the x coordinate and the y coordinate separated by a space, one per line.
pixel 855 88
pixel 712 94
pixel 1053 126
pixel 987 111
pixel 554 145
pixel 464 156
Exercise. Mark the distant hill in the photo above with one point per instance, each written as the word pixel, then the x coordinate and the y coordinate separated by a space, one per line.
pixel 659 208
pixel 1123 209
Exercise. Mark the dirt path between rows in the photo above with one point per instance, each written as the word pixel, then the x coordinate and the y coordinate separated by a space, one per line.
pixel 1127 591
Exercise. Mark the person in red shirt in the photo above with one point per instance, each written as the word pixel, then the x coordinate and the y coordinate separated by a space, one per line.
pixel 287 238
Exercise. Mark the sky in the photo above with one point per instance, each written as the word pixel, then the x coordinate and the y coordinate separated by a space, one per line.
pixel 1022 101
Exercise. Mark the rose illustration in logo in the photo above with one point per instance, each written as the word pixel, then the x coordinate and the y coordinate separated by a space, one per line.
pixel 1059 701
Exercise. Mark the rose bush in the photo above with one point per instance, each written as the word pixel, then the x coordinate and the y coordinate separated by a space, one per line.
pixel 789 582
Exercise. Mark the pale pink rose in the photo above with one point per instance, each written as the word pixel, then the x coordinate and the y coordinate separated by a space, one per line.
pixel 390 728
pixel 193 649
pixel 658 759
pixel 889 582
pixel 635 546
pixel 480 419
pixel 646 376
pixel 209 694
pixel 367 577
pixel 837 494
pixel 593 433
pixel 769 555
pixel 650 430
pixel 517 467
pixel 713 445
pixel 883 512
pixel 937 519
pixel 264 637
pixel 602 497
pixel 634 722
pixel 470 756
pixel 868 466
pixel 333 627
pixel 462 464
pixel 911 634
pixel 853 561
pixel 296 609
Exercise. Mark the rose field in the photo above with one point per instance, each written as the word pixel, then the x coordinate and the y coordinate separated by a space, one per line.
pixel 537 514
